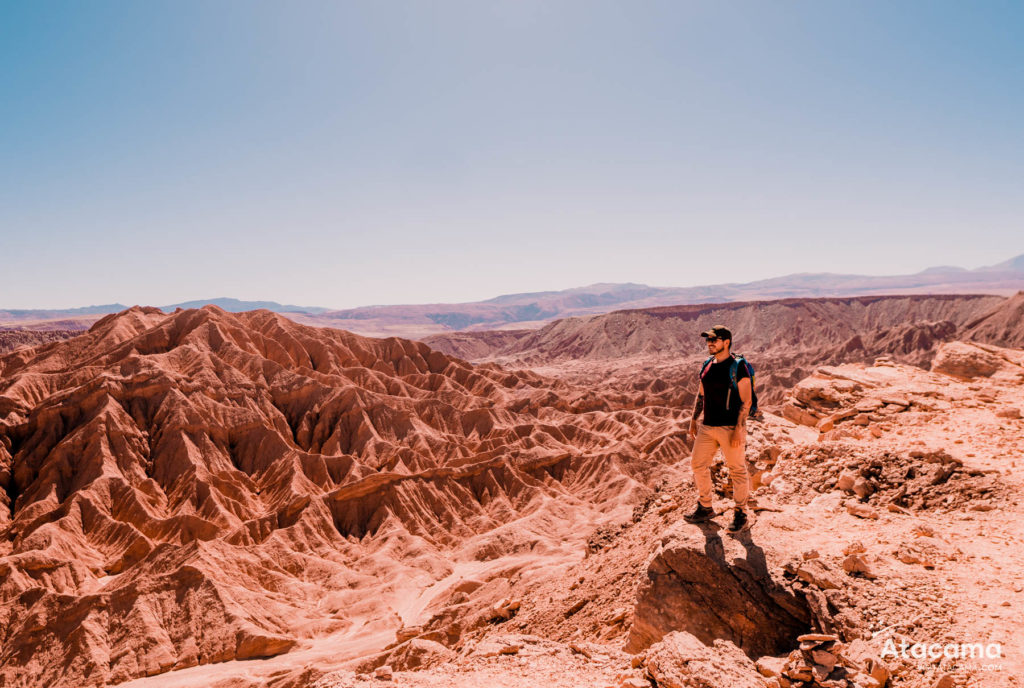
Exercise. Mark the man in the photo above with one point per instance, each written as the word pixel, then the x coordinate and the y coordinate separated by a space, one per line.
pixel 725 408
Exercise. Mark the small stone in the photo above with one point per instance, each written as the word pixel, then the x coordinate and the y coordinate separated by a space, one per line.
pixel 407 633
pixel 855 564
pixel 861 510
pixel 770 666
pixel 944 681
pixel 820 673
pixel 578 605
pixel 846 481
pixel 825 659
pixel 879 672
pixel 855 547
pixel 863 488
pixel 618 616
pixel 383 673
pixel 495 648
pixel 808 554
pixel 799 673
pixel 818 637
pixel 667 507
pixel 634 682
pixel 579 649
pixel 816 572
pixel 869 404
pixel 1008 413
pixel 505 609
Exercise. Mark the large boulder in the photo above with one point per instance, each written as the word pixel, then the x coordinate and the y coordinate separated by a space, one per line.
pixel 680 660
pixel 965 360
pixel 715 588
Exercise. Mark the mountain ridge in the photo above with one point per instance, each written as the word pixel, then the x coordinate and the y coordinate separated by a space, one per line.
pixel 531 310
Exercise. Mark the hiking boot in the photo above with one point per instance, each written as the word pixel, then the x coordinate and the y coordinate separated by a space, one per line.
pixel 700 514
pixel 739 521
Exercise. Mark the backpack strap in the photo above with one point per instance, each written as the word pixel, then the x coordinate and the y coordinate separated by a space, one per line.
pixel 707 365
pixel 733 368
pixel 746 366
pixel 704 371
pixel 732 378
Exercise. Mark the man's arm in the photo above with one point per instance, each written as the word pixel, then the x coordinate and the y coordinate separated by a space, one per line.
pixel 741 422
pixel 698 406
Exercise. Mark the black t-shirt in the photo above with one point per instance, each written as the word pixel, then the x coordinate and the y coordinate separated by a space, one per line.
pixel 718 389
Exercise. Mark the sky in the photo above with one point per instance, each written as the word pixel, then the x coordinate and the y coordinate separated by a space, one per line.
pixel 352 153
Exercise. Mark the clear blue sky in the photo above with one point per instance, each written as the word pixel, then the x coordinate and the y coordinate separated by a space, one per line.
pixel 344 153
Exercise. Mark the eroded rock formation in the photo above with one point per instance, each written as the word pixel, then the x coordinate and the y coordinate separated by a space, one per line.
pixel 187 488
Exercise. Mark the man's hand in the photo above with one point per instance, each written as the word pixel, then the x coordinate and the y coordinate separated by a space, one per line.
pixel 737 437
pixel 698 406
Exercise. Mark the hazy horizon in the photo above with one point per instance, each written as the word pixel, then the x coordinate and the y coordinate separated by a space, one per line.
pixel 130 302
pixel 345 154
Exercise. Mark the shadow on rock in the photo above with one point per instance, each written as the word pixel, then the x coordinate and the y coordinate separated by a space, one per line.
pixel 716 588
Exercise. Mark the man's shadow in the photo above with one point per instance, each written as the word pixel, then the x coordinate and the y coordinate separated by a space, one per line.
pixel 714 548
pixel 756 561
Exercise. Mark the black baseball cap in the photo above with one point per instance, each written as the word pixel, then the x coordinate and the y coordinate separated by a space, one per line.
pixel 720 331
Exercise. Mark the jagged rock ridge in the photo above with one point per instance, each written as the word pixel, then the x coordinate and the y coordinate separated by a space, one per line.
pixel 790 325
pixel 187 488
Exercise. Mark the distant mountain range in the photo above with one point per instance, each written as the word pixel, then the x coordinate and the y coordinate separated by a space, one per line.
pixel 81 317
pixel 531 310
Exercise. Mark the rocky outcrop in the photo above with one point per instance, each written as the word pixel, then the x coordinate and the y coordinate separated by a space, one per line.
pixel 969 360
pixel 852 396
pixel 715 587
pixel 1003 325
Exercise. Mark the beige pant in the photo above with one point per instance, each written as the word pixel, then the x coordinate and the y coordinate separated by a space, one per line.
pixel 709 440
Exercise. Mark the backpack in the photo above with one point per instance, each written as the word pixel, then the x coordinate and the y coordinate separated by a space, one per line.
pixel 737 360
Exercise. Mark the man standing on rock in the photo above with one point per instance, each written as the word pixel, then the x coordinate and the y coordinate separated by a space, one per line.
pixel 725 406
